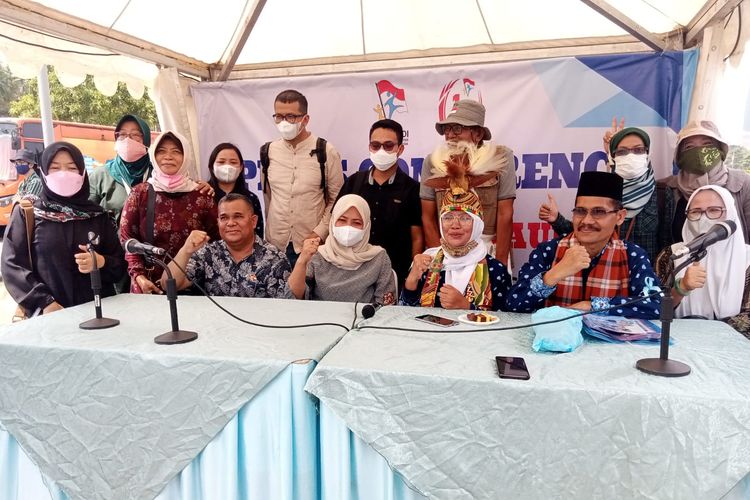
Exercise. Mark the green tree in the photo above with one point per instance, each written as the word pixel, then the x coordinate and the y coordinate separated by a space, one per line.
pixel 10 89
pixel 84 103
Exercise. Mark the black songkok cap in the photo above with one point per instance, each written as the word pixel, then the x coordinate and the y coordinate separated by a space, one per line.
pixel 602 184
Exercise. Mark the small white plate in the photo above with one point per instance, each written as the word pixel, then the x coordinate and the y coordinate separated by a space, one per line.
pixel 465 319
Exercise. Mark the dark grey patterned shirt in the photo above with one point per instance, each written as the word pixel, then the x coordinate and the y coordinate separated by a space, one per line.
pixel 264 273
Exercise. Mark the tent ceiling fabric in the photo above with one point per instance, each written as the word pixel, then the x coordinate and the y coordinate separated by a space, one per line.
pixel 303 29
pixel 292 30
pixel 72 66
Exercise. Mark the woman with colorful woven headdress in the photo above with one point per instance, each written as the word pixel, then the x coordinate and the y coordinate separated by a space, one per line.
pixel 459 274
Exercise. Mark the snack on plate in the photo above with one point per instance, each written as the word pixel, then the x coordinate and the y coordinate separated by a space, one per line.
pixel 481 317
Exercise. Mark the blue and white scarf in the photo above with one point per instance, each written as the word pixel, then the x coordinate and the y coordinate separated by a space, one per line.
pixel 636 192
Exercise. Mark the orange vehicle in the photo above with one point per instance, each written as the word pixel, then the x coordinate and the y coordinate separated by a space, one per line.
pixel 96 142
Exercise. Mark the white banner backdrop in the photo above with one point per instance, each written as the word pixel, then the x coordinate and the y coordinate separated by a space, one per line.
pixel 552 113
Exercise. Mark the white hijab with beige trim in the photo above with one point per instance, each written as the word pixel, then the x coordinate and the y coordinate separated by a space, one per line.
pixel 350 258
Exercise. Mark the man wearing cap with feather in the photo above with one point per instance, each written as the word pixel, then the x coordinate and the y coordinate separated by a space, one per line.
pixel 490 170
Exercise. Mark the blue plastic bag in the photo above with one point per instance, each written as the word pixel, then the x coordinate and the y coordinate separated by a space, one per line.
pixel 564 336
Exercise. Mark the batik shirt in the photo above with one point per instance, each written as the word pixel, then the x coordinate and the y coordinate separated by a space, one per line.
pixel 530 292
pixel 263 273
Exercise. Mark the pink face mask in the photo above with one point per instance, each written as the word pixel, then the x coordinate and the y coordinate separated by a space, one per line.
pixel 130 150
pixel 64 182
pixel 170 181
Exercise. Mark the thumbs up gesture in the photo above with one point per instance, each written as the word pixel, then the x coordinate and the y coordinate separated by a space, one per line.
pixel 695 277
pixel 548 211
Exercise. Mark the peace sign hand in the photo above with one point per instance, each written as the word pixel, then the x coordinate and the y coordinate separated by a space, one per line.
pixel 609 133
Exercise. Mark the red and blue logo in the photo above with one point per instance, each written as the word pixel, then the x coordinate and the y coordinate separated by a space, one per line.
pixel 392 99
pixel 456 90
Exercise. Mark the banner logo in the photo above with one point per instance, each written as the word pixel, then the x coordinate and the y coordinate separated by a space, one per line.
pixel 462 88
pixel 392 99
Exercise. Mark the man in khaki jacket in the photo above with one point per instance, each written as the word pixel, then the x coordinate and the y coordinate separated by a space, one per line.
pixel 299 189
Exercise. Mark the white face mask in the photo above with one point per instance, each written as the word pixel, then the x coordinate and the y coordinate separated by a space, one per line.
pixel 226 172
pixel 700 226
pixel 382 159
pixel 348 235
pixel 289 130
pixel 631 165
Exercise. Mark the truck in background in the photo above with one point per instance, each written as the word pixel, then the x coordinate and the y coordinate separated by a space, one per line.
pixel 96 142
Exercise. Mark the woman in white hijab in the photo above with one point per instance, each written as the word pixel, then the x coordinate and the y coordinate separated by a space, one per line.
pixel 459 274
pixel 164 210
pixel 717 286
pixel 346 268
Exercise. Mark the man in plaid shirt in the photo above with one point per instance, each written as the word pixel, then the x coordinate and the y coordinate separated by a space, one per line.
pixel 591 268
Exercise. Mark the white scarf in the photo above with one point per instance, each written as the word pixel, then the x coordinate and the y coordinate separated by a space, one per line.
pixel 458 270
pixel 726 263
pixel 489 158
pixel 352 257
pixel 187 184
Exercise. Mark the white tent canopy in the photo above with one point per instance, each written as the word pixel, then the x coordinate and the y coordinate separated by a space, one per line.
pixel 233 39
pixel 135 40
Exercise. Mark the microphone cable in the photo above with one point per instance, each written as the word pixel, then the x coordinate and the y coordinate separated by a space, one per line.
pixel 403 329
pixel 354 320
pixel 262 325
pixel 503 328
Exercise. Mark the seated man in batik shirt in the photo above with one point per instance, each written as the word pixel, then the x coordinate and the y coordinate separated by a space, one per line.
pixel 240 264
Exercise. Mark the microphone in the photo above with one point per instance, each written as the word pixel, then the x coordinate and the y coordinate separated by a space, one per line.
pixel 369 310
pixel 136 247
pixel 98 321
pixel 719 231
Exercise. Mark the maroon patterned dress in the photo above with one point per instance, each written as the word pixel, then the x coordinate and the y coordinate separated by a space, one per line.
pixel 175 216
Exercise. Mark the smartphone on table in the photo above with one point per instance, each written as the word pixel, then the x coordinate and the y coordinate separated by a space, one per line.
pixel 436 320
pixel 512 367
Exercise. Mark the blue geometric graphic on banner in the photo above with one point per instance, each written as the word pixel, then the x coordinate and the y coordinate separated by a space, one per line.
pixel 653 79
pixel 622 105
pixel 573 89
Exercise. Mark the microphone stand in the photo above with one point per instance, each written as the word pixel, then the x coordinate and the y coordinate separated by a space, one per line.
pixel 663 366
pixel 175 336
pixel 98 322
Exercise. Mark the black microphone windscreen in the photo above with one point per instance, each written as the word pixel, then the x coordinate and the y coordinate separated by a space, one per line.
pixel 127 245
pixel 368 311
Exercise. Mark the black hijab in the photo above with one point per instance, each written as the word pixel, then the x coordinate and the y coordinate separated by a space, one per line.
pixel 79 202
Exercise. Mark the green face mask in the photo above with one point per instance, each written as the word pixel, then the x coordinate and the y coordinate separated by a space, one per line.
pixel 699 160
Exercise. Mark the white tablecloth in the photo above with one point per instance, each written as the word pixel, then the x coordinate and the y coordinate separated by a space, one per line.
pixel 586 425
pixel 109 414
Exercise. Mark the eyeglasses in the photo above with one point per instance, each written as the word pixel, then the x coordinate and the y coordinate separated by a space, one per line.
pixel 136 136
pixel 596 212
pixel 449 219
pixel 289 117
pixel 712 213
pixel 389 146
pixel 638 150
pixel 456 128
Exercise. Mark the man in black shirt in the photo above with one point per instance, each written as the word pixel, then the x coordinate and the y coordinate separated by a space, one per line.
pixel 393 197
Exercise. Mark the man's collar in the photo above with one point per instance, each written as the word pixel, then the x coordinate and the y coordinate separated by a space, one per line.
pixel 371 180
pixel 252 250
